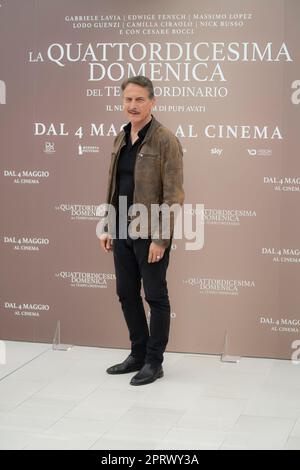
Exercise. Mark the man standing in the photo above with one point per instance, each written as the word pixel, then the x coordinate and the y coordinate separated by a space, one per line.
pixel 146 168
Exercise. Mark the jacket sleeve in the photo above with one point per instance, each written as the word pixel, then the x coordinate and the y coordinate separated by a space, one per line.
pixel 172 186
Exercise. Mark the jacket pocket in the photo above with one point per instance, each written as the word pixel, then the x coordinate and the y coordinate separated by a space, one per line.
pixel 147 165
pixel 147 177
pixel 147 155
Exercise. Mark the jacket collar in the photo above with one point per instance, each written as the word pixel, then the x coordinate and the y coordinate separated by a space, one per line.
pixel 141 133
pixel 154 124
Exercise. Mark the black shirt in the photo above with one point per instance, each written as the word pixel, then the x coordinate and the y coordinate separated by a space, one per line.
pixel 126 163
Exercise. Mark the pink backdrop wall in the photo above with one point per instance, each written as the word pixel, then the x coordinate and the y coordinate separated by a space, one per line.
pixel 233 101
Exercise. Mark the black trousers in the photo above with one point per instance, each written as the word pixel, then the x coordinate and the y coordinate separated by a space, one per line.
pixel 132 269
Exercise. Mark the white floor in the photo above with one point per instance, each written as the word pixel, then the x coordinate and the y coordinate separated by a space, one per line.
pixel 65 400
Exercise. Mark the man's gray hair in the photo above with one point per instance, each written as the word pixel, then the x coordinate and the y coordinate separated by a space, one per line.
pixel 141 81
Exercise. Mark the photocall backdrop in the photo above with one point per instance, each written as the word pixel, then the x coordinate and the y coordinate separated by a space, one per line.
pixel 227 81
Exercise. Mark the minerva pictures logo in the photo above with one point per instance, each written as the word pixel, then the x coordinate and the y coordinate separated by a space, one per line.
pixel 88 149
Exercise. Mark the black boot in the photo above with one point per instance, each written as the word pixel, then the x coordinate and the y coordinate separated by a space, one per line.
pixel 131 364
pixel 149 373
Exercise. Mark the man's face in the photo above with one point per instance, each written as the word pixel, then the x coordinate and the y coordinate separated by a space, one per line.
pixel 137 104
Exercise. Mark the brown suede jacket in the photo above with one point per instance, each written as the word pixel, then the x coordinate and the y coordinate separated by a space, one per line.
pixel 158 174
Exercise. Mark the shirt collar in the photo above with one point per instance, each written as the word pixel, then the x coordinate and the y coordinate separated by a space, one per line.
pixel 141 133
